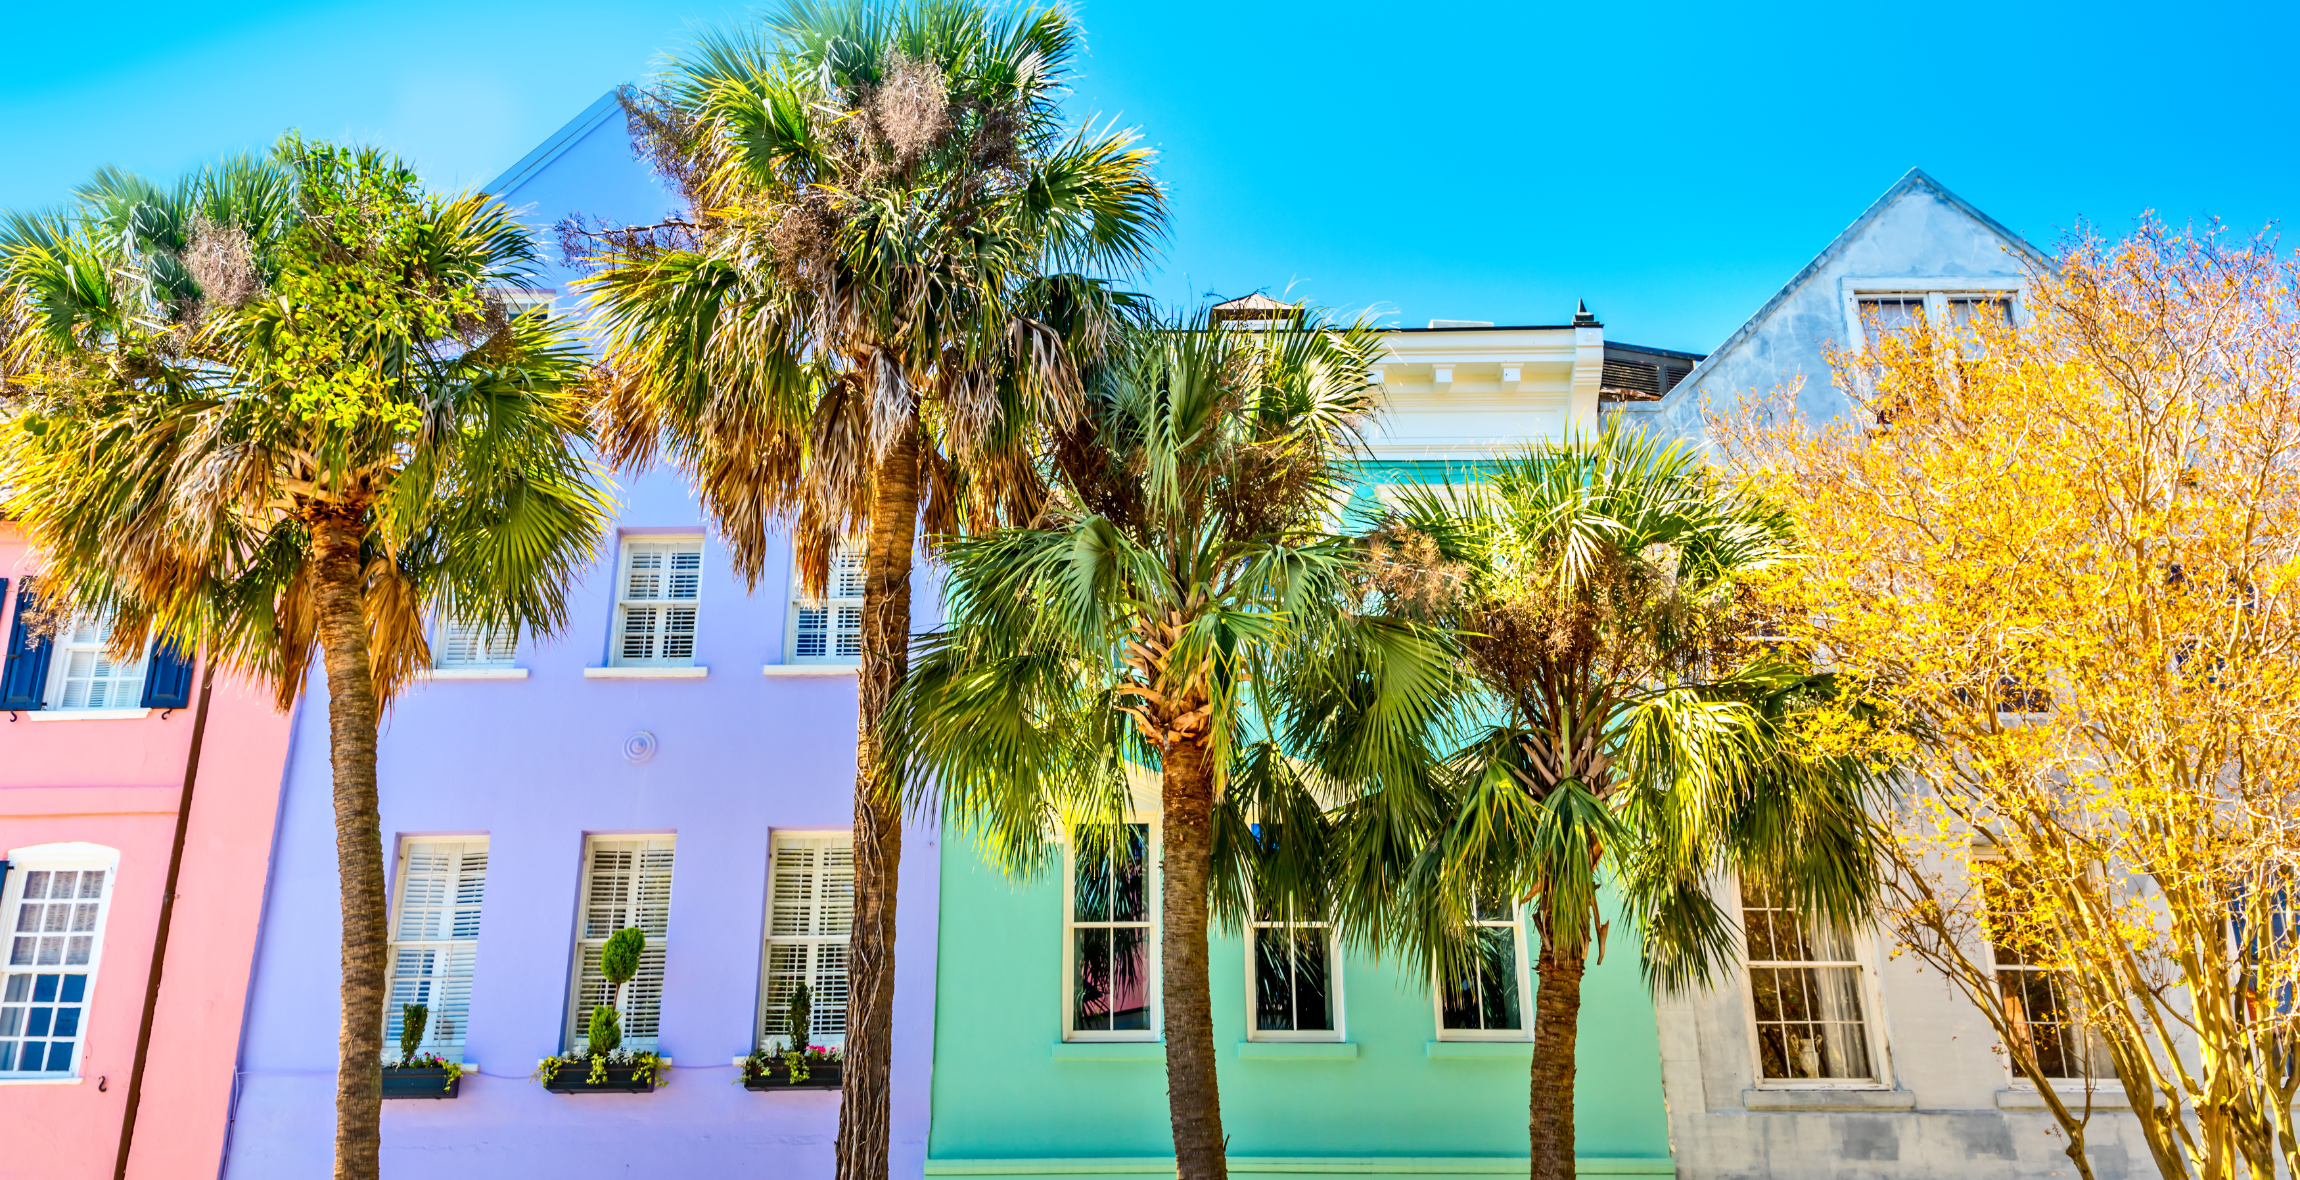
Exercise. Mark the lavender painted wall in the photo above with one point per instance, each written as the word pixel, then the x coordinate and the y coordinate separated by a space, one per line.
pixel 536 764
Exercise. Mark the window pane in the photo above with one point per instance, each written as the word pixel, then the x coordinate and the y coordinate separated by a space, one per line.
pixel 1130 873
pixel 1273 979
pixel 1487 1000
pixel 1091 989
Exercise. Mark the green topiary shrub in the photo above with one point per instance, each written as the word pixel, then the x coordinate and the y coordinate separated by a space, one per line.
pixel 412 1020
pixel 798 1018
pixel 619 959
pixel 606 1031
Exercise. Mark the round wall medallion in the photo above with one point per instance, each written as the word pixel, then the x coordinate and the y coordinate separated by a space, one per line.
pixel 639 746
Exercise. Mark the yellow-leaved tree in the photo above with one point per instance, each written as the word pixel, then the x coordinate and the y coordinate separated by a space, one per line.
pixel 2056 571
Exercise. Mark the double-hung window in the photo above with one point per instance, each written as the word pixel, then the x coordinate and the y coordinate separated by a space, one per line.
pixel 1296 990
pixel 829 630
pixel 471 645
pixel 63 666
pixel 2041 1003
pixel 1111 944
pixel 810 913
pixel 53 909
pixel 626 882
pixel 1486 1004
pixel 1808 994
pixel 656 592
pixel 435 940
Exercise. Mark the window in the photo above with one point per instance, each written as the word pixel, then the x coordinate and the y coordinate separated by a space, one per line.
pixel 829 631
pixel 2041 1003
pixel 435 941
pixel 1485 1006
pixel 1290 974
pixel 809 916
pixel 84 676
pixel 1112 944
pixel 1874 307
pixel 469 645
pixel 54 909
pixel 626 882
pixel 655 602
pixel 1806 989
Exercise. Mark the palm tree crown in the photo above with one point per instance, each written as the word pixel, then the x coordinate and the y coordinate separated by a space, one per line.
pixel 1602 590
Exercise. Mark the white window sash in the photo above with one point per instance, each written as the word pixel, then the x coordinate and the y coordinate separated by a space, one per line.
pixel 658 590
pixel 1523 966
pixel 83 675
pixel 810 916
pixel 1335 1009
pixel 1071 925
pixel 626 882
pixel 38 997
pixel 828 630
pixel 469 645
pixel 1862 994
pixel 435 941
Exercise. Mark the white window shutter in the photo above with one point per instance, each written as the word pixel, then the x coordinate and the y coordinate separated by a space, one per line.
pixel 656 592
pixel 811 916
pixel 435 941
pixel 626 882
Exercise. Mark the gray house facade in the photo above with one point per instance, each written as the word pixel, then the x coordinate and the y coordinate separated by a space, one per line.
pixel 1825 1055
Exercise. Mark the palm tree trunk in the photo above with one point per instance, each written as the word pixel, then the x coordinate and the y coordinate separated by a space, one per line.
pixel 338 579
pixel 878 816
pixel 1193 1095
pixel 1556 1021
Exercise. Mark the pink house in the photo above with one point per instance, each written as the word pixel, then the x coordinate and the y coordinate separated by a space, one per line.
pixel 96 762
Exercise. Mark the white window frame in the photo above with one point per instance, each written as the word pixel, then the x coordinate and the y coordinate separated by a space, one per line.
pixel 581 999
pixel 673 545
pixel 2097 1084
pixel 1937 292
pixel 1153 908
pixel 69 858
pixel 832 602
pixel 60 648
pixel 493 649
pixel 821 912
pixel 449 948
pixel 1339 1009
pixel 518 301
pixel 1864 958
pixel 1523 947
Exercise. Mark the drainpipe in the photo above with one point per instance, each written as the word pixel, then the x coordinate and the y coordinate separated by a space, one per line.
pixel 167 912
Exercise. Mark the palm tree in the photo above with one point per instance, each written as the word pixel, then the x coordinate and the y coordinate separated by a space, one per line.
pixel 1180 605
pixel 878 296
pixel 277 408
pixel 1603 591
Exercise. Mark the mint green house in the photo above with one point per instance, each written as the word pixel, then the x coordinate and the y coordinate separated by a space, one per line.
pixel 1047 1051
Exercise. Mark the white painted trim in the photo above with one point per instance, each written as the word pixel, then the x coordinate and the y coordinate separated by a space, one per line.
pixel 805 671
pixel 1936 290
pixel 86 714
pixel 1865 952
pixel 1153 908
pixel 472 674
pixel 1339 1034
pixel 1523 1033
pixel 41 1081
pixel 682 672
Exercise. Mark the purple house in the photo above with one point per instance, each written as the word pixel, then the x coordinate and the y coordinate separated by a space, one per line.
pixel 681 759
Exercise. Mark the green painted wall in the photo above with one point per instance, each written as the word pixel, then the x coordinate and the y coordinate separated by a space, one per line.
pixel 1002 1092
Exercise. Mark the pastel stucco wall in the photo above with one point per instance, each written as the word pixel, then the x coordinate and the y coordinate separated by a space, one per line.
pixel 1007 1090
pixel 1945 1102
pixel 534 765
pixel 116 782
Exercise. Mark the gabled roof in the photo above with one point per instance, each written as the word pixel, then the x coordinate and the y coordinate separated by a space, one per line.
pixel 552 148
pixel 1910 181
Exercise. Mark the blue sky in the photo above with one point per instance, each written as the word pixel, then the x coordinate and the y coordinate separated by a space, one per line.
pixel 1672 164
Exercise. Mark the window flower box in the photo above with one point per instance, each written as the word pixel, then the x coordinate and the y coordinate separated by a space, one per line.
pixel 426 1077
pixel 819 1069
pixel 612 1073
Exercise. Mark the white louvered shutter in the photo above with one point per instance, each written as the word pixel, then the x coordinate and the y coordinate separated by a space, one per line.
pixel 830 630
pixel 626 882
pixel 465 645
pixel 435 941
pixel 656 593
pixel 810 916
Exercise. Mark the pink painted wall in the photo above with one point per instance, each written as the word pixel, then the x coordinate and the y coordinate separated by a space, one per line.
pixel 116 783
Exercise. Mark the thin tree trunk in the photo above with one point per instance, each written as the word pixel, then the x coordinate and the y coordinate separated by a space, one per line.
pixel 878 817
pixel 1193 1095
pixel 338 579
pixel 1556 1022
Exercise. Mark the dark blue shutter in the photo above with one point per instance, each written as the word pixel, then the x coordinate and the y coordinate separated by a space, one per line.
pixel 24 680
pixel 168 678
